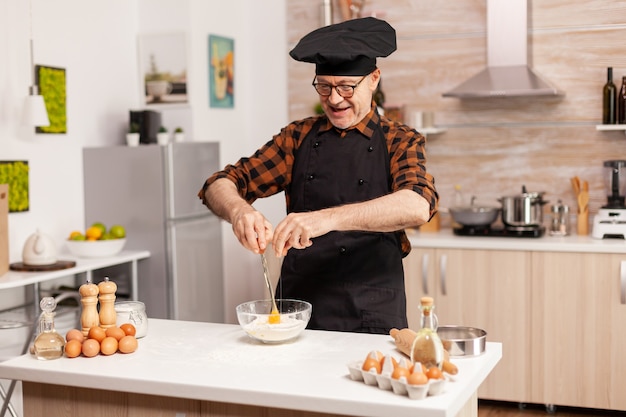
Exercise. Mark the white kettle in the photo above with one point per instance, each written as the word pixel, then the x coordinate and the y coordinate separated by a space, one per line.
pixel 39 249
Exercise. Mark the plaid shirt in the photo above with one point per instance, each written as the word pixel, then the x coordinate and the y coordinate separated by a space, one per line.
pixel 268 171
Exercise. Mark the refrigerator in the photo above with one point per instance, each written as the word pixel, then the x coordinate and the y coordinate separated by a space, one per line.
pixel 152 191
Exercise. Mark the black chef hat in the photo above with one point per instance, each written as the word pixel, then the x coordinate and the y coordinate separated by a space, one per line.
pixel 347 48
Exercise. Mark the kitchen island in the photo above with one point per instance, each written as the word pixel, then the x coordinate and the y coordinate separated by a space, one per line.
pixel 207 369
pixel 543 299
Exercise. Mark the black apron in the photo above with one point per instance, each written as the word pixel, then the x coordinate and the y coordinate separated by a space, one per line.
pixel 354 280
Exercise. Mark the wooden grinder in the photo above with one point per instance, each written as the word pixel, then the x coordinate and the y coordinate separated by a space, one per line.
pixel 89 300
pixel 108 315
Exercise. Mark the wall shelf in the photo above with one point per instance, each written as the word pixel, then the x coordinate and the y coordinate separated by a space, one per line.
pixel 436 130
pixel 611 127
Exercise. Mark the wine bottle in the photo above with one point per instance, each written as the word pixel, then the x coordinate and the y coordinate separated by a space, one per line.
pixel 609 96
pixel 621 103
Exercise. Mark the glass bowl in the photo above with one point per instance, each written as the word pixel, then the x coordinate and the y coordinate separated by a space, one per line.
pixel 294 316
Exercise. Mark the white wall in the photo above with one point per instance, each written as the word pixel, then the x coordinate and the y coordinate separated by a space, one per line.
pixel 96 42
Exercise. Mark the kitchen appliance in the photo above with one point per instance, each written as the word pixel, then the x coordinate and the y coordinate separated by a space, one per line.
pixel 522 216
pixel 610 222
pixel 149 122
pixel 508 73
pixel 152 191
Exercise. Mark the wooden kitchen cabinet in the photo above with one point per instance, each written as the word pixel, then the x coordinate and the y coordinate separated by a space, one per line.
pixel 578 329
pixel 488 289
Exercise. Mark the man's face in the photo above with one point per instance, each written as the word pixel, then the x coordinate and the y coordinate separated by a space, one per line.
pixel 346 112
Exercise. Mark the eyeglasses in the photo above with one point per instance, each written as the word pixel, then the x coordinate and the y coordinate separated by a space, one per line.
pixel 344 90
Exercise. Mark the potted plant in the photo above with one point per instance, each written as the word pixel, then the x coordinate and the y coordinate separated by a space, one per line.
pixel 132 137
pixel 179 135
pixel 163 137
pixel 157 83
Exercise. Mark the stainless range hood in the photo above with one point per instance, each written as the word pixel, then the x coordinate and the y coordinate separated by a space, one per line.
pixel 508 73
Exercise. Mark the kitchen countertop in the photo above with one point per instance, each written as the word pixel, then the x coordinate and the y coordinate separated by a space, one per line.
pixel 219 362
pixel 446 239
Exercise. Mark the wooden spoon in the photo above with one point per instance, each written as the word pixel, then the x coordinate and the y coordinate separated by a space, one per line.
pixel 583 201
pixel 576 185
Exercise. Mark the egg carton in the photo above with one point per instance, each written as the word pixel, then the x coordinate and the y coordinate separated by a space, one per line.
pixel 397 386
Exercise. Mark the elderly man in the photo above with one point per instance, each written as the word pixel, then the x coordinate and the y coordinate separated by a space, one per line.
pixel 353 181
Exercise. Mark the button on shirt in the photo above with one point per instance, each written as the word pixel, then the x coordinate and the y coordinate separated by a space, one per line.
pixel 268 170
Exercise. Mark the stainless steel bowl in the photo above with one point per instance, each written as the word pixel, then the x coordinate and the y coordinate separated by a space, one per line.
pixel 462 340
pixel 475 215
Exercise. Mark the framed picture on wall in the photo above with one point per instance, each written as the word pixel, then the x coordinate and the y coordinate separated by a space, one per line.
pixel 163 69
pixel 221 72
pixel 15 173
pixel 52 86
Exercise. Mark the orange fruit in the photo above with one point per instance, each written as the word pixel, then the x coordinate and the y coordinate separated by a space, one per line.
pixel 93 233
pixel 75 234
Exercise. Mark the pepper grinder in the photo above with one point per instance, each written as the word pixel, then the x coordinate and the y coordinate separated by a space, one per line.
pixel 108 315
pixel 89 300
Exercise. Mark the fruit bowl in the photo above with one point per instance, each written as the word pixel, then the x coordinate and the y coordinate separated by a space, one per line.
pixel 95 248
pixel 294 316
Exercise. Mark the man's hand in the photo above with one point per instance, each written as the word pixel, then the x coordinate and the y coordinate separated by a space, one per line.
pixel 251 228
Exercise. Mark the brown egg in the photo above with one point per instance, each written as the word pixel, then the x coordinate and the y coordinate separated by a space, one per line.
pixel 108 345
pixel 115 332
pixel 129 329
pixel 97 333
pixel 127 344
pixel 74 334
pixel 73 348
pixel 91 347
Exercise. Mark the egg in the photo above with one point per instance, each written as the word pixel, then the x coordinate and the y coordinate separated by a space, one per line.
pixel 73 348
pixel 97 333
pixel 108 345
pixel 115 332
pixel 129 329
pixel 127 344
pixel 91 347
pixel 74 334
pixel 417 378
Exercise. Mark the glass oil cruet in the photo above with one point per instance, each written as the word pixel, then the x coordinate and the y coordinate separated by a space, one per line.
pixel 48 344
pixel 427 347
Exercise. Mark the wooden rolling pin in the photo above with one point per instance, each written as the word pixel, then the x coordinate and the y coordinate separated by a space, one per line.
pixel 404 342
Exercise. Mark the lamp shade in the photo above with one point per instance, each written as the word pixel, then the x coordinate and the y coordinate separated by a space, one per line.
pixel 34 112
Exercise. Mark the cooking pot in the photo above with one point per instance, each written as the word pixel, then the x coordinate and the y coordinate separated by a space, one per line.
pixel 525 209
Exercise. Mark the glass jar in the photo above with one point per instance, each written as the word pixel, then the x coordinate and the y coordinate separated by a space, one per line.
pixel 133 312
pixel 559 224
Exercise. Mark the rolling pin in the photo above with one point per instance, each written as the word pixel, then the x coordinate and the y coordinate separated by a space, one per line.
pixel 404 342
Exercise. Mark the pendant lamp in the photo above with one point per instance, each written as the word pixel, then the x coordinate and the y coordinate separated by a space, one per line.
pixel 34 112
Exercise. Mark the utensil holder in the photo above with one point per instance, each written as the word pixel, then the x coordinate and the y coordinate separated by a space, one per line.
pixel 582 223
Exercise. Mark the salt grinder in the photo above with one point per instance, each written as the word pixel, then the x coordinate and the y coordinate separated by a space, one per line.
pixel 89 300
pixel 559 224
pixel 108 315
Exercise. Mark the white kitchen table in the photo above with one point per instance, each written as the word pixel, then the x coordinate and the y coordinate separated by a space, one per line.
pixel 208 369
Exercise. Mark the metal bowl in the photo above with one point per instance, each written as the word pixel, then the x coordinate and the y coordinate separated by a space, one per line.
pixel 475 215
pixel 462 341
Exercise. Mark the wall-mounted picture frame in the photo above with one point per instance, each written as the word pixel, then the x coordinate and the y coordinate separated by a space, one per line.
pixel 221 72
pixel 15 173
pixel 163 69
pixel 52 86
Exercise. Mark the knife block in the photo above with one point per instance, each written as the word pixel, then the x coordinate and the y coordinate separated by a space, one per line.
pixel 4 228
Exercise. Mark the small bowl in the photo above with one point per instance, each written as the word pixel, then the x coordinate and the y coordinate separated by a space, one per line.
pixel 294 317
pixel 462 341
pixel 95 248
